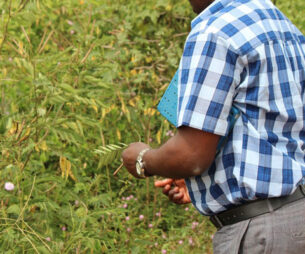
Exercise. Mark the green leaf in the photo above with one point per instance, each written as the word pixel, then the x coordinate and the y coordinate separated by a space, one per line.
pixel 13 209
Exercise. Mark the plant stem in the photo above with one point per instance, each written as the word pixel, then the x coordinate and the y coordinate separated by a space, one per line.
pixel 6 25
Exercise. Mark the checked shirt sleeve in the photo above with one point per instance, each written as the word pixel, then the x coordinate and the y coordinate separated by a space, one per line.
pixel 208 75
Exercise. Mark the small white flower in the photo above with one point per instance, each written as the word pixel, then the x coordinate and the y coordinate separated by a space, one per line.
pixel 9 186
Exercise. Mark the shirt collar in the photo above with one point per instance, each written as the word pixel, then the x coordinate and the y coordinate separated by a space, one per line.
pixel 214 7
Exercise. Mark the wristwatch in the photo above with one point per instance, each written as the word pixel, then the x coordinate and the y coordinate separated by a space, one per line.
pixel 140 164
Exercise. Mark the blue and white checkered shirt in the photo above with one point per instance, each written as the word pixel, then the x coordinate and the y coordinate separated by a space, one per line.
pixel 245 53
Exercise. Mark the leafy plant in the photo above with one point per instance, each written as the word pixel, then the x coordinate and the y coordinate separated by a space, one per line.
pixel 77 76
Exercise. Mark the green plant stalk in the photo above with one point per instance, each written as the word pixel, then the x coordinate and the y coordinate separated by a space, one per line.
pixel 6 25
pixel 28 238
pixel 109 181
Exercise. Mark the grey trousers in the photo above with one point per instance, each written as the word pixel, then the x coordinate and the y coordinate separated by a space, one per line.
pixel 278 232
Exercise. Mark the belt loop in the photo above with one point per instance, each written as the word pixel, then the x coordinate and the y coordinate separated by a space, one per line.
pixel 270 207
pixel 218 221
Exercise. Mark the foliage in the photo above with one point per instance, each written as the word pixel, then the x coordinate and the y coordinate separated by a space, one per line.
pixel 80 79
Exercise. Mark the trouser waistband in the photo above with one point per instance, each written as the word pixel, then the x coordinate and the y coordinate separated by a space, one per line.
pixel 255 208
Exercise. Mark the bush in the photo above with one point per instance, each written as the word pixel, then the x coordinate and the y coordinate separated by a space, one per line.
pixel 79 80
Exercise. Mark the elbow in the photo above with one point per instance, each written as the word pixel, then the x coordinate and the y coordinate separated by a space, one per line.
pixel 197 170
pixel 198 149
pixel 183 157
pixel 200 161
pixel 194 164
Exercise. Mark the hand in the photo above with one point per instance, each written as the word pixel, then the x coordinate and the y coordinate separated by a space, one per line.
pixel 130 155
pixel 176 190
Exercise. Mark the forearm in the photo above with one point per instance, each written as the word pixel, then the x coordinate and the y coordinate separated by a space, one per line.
pixel 179 158
pixel 169 161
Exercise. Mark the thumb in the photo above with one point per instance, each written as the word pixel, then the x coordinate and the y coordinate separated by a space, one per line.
pixel 162 183
pixel 179 182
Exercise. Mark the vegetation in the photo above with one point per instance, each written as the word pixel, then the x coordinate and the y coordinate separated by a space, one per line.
pixel 80 79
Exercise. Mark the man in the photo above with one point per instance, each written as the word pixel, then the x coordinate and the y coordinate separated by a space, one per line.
pixel 244 53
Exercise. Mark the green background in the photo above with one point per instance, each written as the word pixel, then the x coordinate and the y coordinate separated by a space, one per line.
pixel 80 79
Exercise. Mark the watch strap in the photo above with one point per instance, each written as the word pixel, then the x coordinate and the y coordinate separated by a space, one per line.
pixel 140 161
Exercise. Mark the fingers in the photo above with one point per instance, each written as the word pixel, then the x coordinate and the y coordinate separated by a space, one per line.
pixel 166 189
pixel 174 190
pixel 163 183
pixel 178 198
pixel 175 195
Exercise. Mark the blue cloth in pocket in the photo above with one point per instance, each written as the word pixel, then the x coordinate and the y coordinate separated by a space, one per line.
pixel 169 103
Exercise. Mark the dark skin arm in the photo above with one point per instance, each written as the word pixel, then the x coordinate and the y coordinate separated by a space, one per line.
pixel 200 5
pixel 189 153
